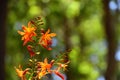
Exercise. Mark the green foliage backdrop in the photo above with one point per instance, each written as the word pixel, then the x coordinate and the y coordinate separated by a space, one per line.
pixel 78 25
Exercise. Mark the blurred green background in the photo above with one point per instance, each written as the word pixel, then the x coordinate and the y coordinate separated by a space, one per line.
pixel 90 28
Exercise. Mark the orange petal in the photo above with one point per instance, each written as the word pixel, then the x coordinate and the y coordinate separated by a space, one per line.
pixel 24 28
pixel 21 33
pixel 26 71
pixel 45 60
pixel 29 24
pixel 52 34
pixel 60 75
pixel 47 31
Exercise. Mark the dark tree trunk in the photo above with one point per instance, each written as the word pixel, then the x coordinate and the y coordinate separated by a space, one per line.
pixel 67 31
pixel 67 34
pixel 3 7
pixel 112 43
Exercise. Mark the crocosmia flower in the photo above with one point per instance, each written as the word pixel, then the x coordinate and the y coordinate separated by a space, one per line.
pixel 44 68
pixel 28 33
pixel 21 73
pixel 46 40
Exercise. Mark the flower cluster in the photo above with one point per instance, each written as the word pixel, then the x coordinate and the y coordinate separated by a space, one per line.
pixel 33 35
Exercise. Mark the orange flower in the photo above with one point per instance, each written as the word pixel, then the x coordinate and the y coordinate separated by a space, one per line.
pixel 41 74
pixel 62 66
pixel 28 33
pixel 21 73
pixel 44 68
pixel 59 68
pixel 46 40
pixel 44 65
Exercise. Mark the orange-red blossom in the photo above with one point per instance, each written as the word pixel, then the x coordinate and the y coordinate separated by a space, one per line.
pixel 21 73
pixel 45 68
pixel 59 68
pixel 28 33
pixel 46 40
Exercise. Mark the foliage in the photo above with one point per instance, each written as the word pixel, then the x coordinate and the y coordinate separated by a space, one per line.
pixel 87 35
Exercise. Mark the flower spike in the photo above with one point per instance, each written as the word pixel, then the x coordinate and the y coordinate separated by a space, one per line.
pixel 36 36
